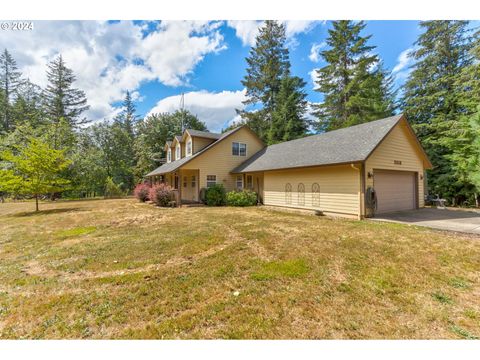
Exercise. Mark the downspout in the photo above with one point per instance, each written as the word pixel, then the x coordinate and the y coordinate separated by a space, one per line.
pixel 359 191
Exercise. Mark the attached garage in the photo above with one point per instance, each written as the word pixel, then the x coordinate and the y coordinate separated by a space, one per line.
pixel 396 190
pixel 336 172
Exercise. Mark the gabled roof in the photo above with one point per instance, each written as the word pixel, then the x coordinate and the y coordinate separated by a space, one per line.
pixel 203 134
pixel 168 144
pixel 348 145
pixel 174 165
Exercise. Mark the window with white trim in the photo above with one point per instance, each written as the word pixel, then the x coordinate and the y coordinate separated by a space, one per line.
pixel 169 155
pixel 239 182
pixel 239 149
pixel 250 182
pixel 178 152
pixel 189 147
pixel 194 181
pixel 211 180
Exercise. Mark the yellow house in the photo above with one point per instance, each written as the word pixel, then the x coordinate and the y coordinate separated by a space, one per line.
pixel 359 171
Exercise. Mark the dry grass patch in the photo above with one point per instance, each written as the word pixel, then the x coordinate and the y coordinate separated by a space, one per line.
pixel 121 269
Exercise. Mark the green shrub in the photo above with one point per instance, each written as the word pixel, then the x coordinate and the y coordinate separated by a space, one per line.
pixel 112 190
pixel 242 198
pixel 215 195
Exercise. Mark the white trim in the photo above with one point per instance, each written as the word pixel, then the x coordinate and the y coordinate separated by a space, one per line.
pixel 169 155
pixel 236 182
pixel 211 181
pixel 178 151
pixel 239 146
pixel 189 142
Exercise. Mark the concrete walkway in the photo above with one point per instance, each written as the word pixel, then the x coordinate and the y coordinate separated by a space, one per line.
pixel 443 219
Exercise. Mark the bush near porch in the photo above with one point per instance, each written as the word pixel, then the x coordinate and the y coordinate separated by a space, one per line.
pixel 242 198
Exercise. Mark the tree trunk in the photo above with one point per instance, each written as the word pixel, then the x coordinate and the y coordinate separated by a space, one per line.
pixel 476 200
pixel 36 202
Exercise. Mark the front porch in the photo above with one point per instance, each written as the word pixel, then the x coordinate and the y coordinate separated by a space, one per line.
pixel 184 183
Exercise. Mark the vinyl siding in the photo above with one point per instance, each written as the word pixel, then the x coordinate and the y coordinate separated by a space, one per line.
pixel 339 188
pixel 200 143
pixel 219 161
pixel 399 145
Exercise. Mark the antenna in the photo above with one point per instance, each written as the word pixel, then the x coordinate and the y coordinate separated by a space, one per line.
pixel 182 108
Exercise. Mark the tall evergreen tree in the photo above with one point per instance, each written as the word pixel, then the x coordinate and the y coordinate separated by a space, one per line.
pixel 128 117
pixel 288 120
pixel 61 99
pixel 356 88
pixel 432 101
pixel 27 107
pixel 9 82
pixel 268 62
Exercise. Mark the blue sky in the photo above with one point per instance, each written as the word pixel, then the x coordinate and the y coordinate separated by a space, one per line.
pixel 157 61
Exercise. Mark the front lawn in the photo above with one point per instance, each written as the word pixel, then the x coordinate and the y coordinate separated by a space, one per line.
pixel 122 269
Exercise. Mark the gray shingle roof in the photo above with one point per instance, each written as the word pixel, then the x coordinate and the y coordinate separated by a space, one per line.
pixel 179 138
pixel 346 145
pixel 204 134
pixel 174 165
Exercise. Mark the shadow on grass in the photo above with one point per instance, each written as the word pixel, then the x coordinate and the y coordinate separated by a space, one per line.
pixel 46 212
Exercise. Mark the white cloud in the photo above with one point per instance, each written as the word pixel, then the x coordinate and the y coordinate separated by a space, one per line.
pixel 315 51
pixel 217 110
pixel 403 61
pixel 247 30
pixel 313 78
pixel 402 68
pixel 110 58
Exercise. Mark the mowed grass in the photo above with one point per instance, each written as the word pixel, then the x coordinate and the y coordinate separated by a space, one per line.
pixel 120 269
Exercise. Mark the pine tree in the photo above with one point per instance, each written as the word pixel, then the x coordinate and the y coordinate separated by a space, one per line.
pixel 9 82
pixel 268 62
pixel 61 99
pixel 432 101
pixel 128 117
pixel 27 107
pixel 356 88
pixel 288 120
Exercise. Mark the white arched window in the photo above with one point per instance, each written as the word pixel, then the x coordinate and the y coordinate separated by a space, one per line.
pixel 189 147
pixel 169 155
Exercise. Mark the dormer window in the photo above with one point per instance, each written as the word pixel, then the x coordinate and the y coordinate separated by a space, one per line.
pixel 169 155
pixel 189 147
pixel 178 152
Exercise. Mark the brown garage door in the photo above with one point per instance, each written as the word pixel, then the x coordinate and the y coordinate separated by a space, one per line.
pixel 395 190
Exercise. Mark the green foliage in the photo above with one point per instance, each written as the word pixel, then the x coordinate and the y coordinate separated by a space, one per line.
pixel 267 63
pixel 355 86
pixel 434 102
pixel 62 100
pixel 9 82
pixel 241 198
pixel 288 120
pixel 112 190
pixel 215 195
pixel 34 170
